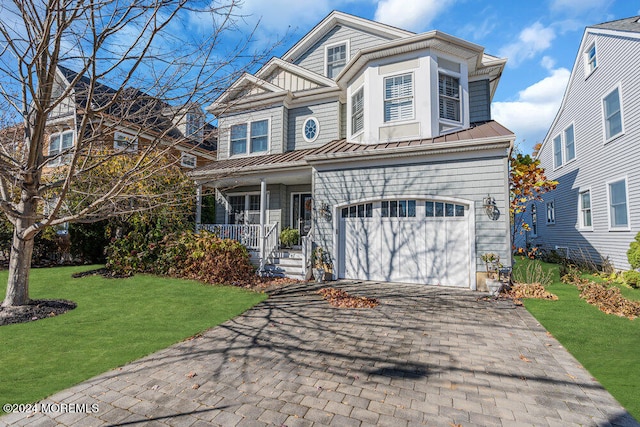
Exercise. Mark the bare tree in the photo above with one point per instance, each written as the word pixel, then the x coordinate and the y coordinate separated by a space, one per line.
pixel 97 67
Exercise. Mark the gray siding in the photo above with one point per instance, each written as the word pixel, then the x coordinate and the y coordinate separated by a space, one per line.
pixel 327 116
pixel 596 163
pixel 313 59
pixel 446 178
pixel 276 137
pixel 479 101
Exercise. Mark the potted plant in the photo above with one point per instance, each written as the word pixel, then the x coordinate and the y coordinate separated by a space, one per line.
pixel 289 237
pixel 321 264
pixel 492 265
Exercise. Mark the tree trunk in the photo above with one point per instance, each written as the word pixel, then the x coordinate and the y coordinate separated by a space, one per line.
pixel 19 266
pixel 20 258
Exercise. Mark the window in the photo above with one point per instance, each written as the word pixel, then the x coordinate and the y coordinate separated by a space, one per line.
pixel 585 209
pixel 244 209
pixel 618 204
pixel 336 59
pixel 612 114
pixel 398 209
pixel 364 210
pixel 257 133
pixel 449 92
pixel 557 151
pixel 187 160
pixel 534 220
pixel 124 142
pixel 398 98
pixel 592 62
pixel 357 111
pixel 442 209
pixel 195 125
pixel 569 144
pixel 59 143
pixel 310 129
pixel 551 212
pixel 238 139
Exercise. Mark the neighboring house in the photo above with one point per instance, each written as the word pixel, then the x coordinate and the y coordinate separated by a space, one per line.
pixel 377 144
pixel 592 150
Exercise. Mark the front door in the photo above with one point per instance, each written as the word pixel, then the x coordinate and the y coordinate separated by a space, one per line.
pixel 301 207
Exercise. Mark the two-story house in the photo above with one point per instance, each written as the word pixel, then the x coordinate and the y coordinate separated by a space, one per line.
pixel 377 144
pixel 592 149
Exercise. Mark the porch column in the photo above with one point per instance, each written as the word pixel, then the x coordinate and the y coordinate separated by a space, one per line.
pixel 263 217
pixel 198 207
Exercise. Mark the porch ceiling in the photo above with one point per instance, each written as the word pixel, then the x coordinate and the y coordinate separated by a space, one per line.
pixel 294 176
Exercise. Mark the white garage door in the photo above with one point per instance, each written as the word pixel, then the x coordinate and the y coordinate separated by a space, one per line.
pixel 411 241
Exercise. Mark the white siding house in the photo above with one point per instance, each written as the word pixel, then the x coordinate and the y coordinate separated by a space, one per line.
pixel 380 150
pixel 592 150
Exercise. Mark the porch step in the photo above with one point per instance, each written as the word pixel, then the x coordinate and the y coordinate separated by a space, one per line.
pixel 285 264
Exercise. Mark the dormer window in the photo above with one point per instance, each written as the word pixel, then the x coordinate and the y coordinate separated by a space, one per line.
pixel 449 94
pixel 336 59
pixel 257 135
pixel 195 124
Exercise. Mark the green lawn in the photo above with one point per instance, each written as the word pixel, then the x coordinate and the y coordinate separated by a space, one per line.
pixel 607 346
pixel 116 321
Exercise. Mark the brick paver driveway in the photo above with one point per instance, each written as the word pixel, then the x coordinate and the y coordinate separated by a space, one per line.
pixel 424 356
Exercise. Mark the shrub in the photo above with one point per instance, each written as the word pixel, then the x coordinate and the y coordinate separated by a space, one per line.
pixel 633 254
pixel 632 278
pixel 532 273
pixel 289 237
pixel 88 242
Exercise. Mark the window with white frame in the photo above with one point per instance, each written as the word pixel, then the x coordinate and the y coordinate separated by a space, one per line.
pixel 58 144
pixel 195 125
pixel 188 160
pixel 557 151
pixel 585 209
pixel 336 59
pixel 244 209
pixel 449 94
pixel 551 212
pixel 618 215
pixel 357 111
pixel 612 114
pixel 256 133
pixel 534 220
pixel 591 59
pixel 569 144
pixel 125 142
pixel 398 97
pixel 310 129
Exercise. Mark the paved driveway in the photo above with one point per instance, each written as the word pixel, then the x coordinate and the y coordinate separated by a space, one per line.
pixel 424 356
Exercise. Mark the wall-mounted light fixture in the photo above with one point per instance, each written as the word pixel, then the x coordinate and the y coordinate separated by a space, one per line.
pixel 490 208
pixel 325 211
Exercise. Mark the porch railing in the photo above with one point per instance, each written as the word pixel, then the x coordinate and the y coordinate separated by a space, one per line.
pixel 247 234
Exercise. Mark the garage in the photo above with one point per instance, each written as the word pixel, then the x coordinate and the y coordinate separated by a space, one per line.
pixel 406 240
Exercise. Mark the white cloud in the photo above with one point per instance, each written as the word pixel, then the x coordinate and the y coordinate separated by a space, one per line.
pixel 413 15
pixel 531 41
pixel 279 15
pixel 531 114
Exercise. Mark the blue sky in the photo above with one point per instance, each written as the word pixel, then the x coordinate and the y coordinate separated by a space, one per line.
pixel 539 38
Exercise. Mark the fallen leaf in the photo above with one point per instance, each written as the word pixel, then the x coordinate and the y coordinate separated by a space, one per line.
pixel 191 374
pixel 522 357
pixel 195 386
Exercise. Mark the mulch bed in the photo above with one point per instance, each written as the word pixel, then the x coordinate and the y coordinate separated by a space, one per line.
pixel 35 310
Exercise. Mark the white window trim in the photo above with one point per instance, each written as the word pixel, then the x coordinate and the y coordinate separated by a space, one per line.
pixel 184 156
pixel 246 203
pixel 413 99
pixel 564 143
pixel 248 152
pixel 550 221
pixel 604 118
pixel 326 54
pixel 304 125
pixel 458 76
pixel 626 188
pixel 130 148
pixel 553 151
pixel 587 69
pixel 59 161
pixel 581 225
pixel 533 229
pixel 350 118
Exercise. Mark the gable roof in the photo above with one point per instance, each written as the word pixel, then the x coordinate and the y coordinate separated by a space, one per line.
pixel 275 63
pixel 630 24
pixel 340 18
pixel 484 133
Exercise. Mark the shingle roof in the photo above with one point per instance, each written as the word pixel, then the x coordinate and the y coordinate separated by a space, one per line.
pixel 490 129
pixel 626 24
